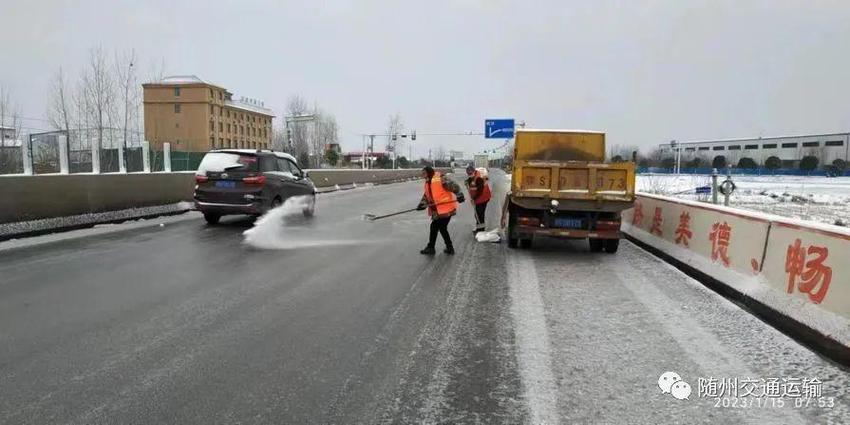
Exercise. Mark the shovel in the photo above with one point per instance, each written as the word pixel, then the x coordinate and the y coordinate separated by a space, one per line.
pixel 373 217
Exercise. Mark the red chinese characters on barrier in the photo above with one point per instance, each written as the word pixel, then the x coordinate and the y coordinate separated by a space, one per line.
pixel 808 265
pixel 720 236
pixel 637 217
pixel 683 231
pixel 657 220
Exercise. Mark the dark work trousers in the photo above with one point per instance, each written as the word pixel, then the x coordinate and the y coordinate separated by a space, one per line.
pixel 480 209
pixel 440 225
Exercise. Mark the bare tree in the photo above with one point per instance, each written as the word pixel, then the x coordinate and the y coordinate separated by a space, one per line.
pixel 10 157
pixel 622 151
pixel 156 72
pixel 298 131
pixel 395 127
pixel 279 142
pixel 127 82
pixel 656 156
pixel 327 133
pixel 99 94
pixel 440 154
pixel 60 107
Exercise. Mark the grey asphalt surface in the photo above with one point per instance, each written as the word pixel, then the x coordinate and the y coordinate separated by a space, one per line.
pixel 343 321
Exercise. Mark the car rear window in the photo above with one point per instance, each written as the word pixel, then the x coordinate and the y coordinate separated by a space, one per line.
pixel 221 161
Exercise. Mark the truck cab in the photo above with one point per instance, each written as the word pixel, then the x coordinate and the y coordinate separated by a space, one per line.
pixel 562 187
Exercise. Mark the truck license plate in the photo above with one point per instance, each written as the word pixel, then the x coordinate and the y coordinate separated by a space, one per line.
pixel 568 223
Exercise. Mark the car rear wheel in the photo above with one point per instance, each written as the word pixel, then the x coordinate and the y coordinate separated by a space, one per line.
pixel 310 210
pixel 611 245
pixel 212 218
pixel 595 245
pixel 526 243
pixel 276 202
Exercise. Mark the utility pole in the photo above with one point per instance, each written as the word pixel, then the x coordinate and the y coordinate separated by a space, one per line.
pixel 678 151
pixel 371 148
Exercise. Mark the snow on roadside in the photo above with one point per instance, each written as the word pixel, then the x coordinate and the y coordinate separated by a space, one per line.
pixel 820 199
pixel 59 223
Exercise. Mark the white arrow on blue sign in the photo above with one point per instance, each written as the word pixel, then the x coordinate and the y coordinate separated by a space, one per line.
pixel 499 128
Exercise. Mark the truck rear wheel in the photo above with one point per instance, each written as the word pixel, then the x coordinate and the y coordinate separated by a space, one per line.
pixel 611 245
pixel 513 240
pixel 595 245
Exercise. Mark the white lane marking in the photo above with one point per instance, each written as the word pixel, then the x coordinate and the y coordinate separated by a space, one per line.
pixel 697 342
pixel 532 339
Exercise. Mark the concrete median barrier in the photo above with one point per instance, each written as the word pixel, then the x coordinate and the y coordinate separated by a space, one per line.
pixel 35 197
pixel 795 272
pixel 24 198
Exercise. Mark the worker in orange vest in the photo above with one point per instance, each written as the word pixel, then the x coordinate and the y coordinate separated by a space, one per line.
pixel 441 199
pixel 479 196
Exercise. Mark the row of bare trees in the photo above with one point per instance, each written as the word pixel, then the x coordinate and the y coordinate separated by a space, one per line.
pixel 101 103
pixel 305 132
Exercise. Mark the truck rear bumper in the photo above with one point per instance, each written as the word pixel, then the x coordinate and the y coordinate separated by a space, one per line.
pixel 568 233
pixel 566 204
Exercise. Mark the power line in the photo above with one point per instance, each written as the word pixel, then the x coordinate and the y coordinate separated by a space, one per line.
pixel 21 117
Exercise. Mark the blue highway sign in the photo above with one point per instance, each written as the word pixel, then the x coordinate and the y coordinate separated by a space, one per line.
pixel 499 128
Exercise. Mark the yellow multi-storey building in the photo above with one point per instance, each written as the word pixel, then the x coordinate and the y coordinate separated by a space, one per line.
pixel 196 116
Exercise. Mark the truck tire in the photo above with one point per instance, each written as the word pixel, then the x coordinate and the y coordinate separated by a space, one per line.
pixel 611 245
pixel 512 238
pixel 596 245
pixel 526 243
pixel 512 242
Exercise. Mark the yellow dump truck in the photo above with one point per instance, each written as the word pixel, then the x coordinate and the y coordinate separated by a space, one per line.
pixel 561 186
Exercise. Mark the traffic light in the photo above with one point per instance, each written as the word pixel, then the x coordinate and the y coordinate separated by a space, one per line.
pixel 394 137
pixel 413 135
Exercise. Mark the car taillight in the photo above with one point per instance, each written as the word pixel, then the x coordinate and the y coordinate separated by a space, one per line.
pixel 201 179
pixel 607 225
pixel 528 221
pixel 257 180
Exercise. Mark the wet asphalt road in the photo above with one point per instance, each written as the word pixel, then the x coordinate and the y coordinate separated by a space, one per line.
pixel 337 320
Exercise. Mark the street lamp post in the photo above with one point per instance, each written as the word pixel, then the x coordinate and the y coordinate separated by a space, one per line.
pixel 678 151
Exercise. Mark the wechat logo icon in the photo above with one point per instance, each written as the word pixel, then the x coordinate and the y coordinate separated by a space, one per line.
pixel 671 383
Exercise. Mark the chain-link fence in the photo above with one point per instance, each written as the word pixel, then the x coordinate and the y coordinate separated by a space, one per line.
pixel 180 160
pixel 11 159
pixel 45 150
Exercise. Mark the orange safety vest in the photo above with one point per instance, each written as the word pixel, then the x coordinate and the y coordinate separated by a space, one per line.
pixel 485 194
pixel 438 197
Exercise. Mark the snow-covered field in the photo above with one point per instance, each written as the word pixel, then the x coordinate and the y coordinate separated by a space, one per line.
pixel 821 199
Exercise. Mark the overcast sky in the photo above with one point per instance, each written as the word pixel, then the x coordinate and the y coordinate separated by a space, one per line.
pixel 645 72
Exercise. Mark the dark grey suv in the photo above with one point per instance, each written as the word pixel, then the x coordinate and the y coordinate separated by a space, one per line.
pixel 246 181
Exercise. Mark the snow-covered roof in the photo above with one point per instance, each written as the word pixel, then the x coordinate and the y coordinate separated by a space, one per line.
pixel 745 139
pixel 184 79
pixel 558 130
pixel 249 107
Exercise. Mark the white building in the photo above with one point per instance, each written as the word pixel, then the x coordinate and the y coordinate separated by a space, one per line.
pixel 790 149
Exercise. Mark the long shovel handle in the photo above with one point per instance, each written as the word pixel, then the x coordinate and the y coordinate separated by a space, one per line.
pixel 378 217
pixel 371 217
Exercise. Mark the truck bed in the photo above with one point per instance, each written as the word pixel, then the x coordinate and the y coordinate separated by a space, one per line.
pixel 577 185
